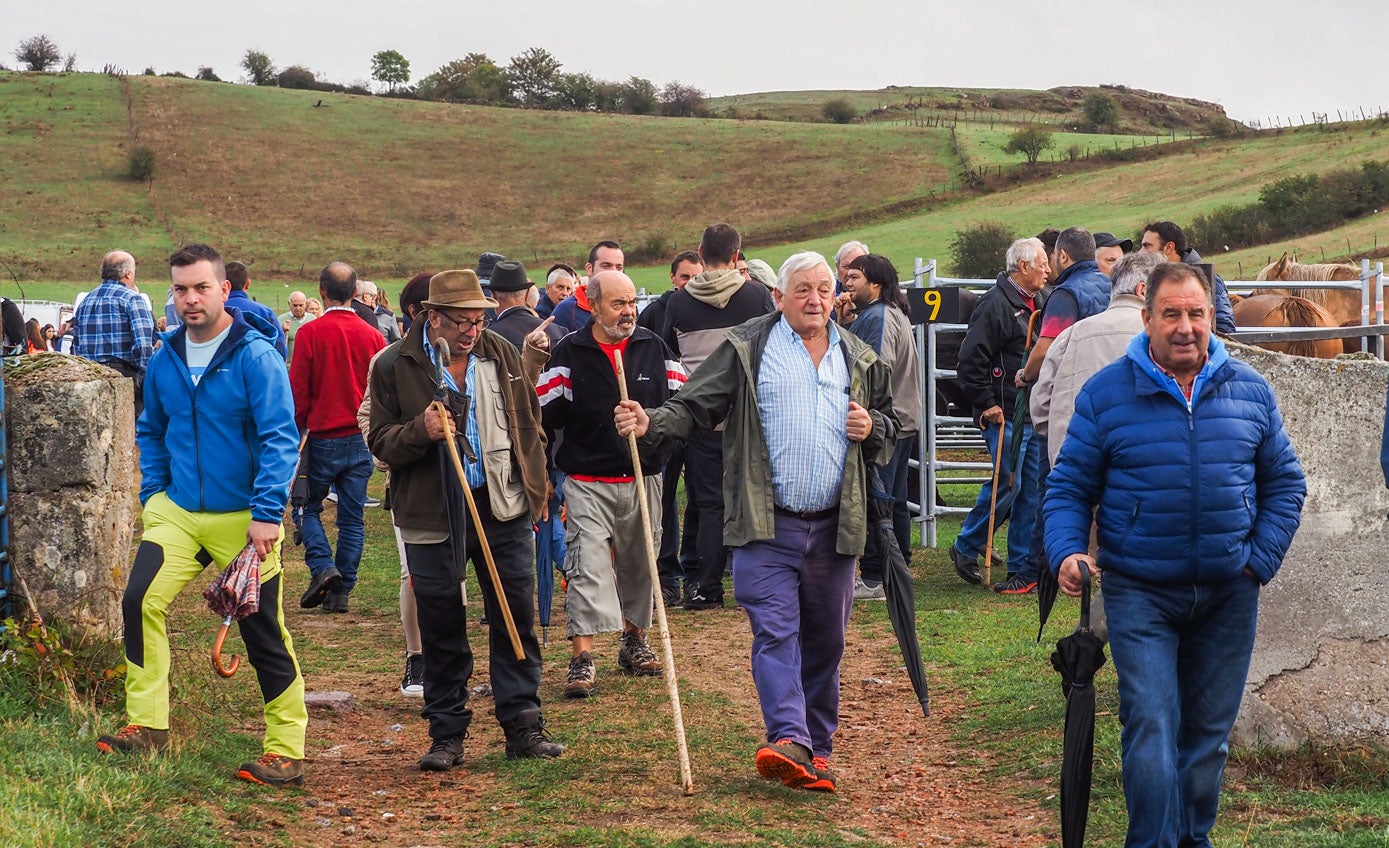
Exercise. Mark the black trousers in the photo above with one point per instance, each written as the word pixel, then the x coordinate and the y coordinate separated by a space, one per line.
pixel 448 657
pixel 677 546
pixel 704 488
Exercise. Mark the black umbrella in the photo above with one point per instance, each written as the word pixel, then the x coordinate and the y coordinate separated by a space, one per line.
pixel 1077 657
pixel 1047 587
pixel 234 594
pixel 897 585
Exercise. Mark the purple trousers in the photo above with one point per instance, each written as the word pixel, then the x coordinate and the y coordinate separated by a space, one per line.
pixel 797 593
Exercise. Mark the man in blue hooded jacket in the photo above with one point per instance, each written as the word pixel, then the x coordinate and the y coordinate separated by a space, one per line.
pixel 218 448
pixel 1199 492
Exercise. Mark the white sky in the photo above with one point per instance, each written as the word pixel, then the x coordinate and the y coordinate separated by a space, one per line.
pixel 1257 59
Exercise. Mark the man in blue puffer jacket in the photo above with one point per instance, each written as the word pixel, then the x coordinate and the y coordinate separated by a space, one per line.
pixel 1199 493
pixel 218 447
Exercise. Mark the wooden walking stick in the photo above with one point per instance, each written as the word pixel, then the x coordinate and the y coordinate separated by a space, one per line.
pixel 442 350
pixel 664 631
pixel 993 504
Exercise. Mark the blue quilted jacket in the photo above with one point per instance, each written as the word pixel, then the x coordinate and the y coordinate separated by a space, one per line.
pixel 1186 493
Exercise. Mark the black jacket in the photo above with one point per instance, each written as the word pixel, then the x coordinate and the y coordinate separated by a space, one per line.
pixel 578 393
pixel 995 347
pixel 516 322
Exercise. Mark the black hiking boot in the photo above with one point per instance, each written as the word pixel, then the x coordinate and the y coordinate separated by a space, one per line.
pixel 526 738
pixel 443 755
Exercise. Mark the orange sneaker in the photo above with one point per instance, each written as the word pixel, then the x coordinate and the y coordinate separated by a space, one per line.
pixel 825 780
pixel 786 761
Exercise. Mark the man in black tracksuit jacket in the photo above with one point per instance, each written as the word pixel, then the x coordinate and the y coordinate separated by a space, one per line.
pixel 609 578
pixel 698 319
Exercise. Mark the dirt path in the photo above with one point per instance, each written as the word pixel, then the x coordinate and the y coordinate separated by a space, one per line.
pixel 904 781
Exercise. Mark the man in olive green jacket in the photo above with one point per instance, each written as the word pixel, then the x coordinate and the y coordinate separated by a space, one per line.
pixel 804 406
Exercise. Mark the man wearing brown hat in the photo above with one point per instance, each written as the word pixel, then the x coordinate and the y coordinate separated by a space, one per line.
pixel 515 319
pixel 494 417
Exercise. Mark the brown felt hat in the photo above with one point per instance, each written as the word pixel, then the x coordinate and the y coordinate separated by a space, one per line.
pixel 457 290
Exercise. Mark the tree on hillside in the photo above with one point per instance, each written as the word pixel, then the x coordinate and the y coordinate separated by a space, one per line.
pixel 534 75
pixel 391 68
pixel 578 92
pixel 1101 112
pixel 679 100
pixel 297 76
pixel 637 96
pixel 259 69
pixel 206 73
pixel 839 110
pixel 473 79
pixel 979 250
pixel 38 53
pixel 70 63
pixel 1029 141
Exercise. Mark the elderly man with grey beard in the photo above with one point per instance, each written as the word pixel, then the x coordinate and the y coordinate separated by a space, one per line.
pixel 804 407
pixel 609 578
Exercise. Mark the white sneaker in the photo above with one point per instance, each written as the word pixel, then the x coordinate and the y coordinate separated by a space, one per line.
pixel 412 684
pixel 864 592
pixel 332 496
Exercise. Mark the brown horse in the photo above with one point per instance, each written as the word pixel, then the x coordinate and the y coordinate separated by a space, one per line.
pixel 1343 304
pixel 1280 310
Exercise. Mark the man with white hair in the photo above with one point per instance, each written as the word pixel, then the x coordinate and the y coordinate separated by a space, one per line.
pixel 990 355
pixel 290 322
pixel 609 578
pixel 847 252
pixel 1087 346
pixel 364 302
pixel 804 407
pixel 559 284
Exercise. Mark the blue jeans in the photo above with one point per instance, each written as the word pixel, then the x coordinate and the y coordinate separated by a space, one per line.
pixel 1182 655
pixel 1023 494
pixel 894 477
pixel 797 592
pixel 343 464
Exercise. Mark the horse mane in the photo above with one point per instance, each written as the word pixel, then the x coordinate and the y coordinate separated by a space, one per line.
pixel 1322 272
pixel 1301 312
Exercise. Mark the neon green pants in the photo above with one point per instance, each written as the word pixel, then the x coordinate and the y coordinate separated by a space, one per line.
pixel 177 546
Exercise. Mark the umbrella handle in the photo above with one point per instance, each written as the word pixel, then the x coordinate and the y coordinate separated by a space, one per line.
pixel 1084 624
pixel 228 670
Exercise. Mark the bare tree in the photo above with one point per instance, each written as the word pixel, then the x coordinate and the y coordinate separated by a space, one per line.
pixel 38 53
pixel 70 63
pixel 679 100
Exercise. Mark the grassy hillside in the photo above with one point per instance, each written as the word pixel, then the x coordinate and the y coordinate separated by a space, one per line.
pixel 396 186
pixel 1140 112
pixel 1122 198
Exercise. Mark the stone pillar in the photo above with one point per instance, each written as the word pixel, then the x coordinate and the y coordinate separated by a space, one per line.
pixel 1320 671
pixel 72 475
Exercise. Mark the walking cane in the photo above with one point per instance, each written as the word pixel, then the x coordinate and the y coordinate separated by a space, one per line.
pixel 993 503
pixel 442 350
pixel 674 687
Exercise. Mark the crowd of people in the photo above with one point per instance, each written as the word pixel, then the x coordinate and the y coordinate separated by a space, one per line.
pixel 494 404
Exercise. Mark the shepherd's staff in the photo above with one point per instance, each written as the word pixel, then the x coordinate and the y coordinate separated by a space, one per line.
pixel 442 351
pixel 664 631
pixel 1019 412
pixel 993 502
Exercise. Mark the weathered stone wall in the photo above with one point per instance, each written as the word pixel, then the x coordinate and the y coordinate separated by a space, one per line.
pixel 1320 670
pixel 72 474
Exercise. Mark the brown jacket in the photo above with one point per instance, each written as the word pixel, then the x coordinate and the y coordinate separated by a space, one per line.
pixel 402 386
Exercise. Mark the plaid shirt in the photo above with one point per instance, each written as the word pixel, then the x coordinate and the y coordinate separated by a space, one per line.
pixel 113 322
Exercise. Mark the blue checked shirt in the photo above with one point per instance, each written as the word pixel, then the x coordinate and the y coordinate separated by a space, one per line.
pixel 803 411
pixel 472 470
pixel 114 322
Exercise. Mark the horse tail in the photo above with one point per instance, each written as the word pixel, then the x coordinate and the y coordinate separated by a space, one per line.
pixel 1299 311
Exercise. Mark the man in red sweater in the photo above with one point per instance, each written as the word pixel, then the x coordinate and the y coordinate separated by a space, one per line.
pixel 329 377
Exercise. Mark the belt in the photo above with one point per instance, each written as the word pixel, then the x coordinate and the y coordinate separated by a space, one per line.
pixel 808 515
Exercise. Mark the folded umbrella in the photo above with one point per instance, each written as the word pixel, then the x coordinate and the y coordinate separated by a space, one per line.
pixel 234 594
pixel 1077 657
pixel 897 585
pixel 299 491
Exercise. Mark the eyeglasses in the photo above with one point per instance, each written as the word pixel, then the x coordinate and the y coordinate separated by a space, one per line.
pixel 465 325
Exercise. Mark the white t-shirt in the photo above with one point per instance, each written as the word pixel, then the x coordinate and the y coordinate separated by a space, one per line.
pixel 201 353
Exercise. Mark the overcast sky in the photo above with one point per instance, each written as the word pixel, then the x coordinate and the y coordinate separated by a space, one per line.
pixel 1257 59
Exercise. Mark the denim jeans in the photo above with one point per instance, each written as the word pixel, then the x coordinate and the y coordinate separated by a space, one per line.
pixel 1023 493
pixel 894 477
pixel 1182 655
pixel 343 464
